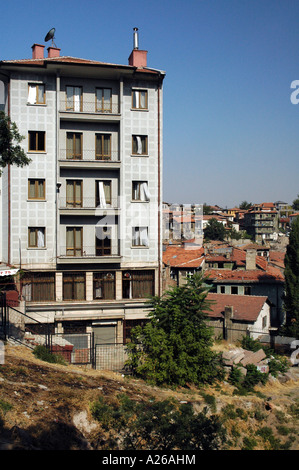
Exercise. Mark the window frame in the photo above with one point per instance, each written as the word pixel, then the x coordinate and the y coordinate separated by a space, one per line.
pixel 138 183
pixel 102 246
pixel 74 203
pixel 72 108
pixel 74 155
pixel 102 108
pixel 133 277
pixel 41 283
pixel 136 230
pixel 74 248
pixel 99 277
pixel 36 85
pixel 35 229
pixel 97 198
pixel 139 91
pixel 73 281
pixel 144 145
pixel 102 155
pixel 36 148
pixel 36 186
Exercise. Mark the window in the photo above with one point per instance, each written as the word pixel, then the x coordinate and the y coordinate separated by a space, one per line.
pixel 73 286
pixel 73 193
pixel 140 191
pixel 36 189
pixel 247 290
pixel 222 289
pixel 139 145
pixel 103 241
pixel 140 236
pixel 103 194
pixel 104 100
pixel 38 287
pixel 36 141
pixel 264 322
pixel 103 146
pixel 104 285
pixel 74 238
pixel 74 145
pixel 138 284
pixel 234 290
pixel 139 99
pixel 36 237
pixel 36 93
pixel 74 98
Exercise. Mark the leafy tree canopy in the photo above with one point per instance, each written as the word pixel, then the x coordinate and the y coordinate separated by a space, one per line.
pixel 245 205
pixel 214 230
pixel 174 347
pixel 291 299
pixel 10 150
pixel 295 205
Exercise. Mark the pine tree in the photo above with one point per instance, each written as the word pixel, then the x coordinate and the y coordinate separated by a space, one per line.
pixel 291 298
pixel 174 347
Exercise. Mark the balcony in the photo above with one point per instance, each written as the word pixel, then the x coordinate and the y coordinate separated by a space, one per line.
pixel 90 110
pixel 88 206
pixel 89 254
pixel 89 159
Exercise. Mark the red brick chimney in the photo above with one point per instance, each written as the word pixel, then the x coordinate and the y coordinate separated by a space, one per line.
pixel 137 58
pixel 53 52
pixel 37 51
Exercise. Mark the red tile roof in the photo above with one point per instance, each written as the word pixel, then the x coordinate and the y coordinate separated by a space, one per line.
pixel 238 275
pixel 245 307
pixel 178 256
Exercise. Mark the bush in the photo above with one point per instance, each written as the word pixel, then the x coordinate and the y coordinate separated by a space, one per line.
pixel 158 425
pixel 43 353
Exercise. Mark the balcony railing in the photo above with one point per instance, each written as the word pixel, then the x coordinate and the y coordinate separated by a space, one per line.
pixel 89 252
pixel 88 203
pixel 88 156
pixel 90 106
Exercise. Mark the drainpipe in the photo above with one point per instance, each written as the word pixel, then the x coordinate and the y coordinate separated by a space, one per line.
pixel 159 193
pixel 8 188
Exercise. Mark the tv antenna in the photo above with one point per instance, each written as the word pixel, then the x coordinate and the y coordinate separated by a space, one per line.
pixel 50 35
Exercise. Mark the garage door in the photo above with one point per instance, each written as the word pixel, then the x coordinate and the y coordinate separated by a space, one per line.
pixel 104 334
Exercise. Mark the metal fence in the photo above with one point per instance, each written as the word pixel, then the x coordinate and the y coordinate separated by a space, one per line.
pixel 110 357
pixel 75 348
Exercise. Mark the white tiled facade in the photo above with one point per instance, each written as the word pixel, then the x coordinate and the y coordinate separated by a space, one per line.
pixel 52 214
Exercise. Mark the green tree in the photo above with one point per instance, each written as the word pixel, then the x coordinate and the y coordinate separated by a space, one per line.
pixel 214 230
pixel 245 205
pixel 295 204
pixel 174 347
pixel 11 153
pixel 291 297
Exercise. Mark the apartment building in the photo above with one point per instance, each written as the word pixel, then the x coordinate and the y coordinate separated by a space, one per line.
pixel 82 222
pixel 261 221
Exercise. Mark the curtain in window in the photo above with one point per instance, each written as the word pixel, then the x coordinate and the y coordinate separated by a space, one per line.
pixel 40 238
pixel 40 93
pixel 144 192
pixel 102 196
pixel 32 94
pixel 139 144
pixel 142 100
pixel 32 237
pixel 136 236
pixel 40 189
pixel 32 189
pixel 144 236
pixel 69 98
pixel 135 99
pixel 107 99
pixel 77 99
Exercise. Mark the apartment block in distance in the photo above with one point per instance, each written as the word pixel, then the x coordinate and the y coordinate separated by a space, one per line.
pixel 82 221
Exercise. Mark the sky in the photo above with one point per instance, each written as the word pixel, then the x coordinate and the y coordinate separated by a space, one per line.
pixel 230 128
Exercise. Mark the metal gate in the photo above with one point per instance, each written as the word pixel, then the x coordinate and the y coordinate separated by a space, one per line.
pixel 110 357
pixel 3 316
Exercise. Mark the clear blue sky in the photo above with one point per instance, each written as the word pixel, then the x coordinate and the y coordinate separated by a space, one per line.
pixel 230 130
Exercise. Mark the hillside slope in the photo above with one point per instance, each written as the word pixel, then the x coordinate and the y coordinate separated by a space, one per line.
pixel 47 406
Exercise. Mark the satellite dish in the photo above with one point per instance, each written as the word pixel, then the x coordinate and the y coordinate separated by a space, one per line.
pixel 50 35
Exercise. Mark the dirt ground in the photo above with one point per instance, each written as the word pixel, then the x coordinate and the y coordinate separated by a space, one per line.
pixel 47 406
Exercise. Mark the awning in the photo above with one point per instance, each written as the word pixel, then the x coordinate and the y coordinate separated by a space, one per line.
pixel 8 272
